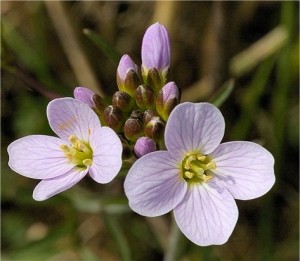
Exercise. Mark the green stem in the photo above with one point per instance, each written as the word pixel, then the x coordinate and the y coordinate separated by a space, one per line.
pixel 172 252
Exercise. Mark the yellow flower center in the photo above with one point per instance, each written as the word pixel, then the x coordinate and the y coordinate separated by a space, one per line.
pixel 78 153
pixel 196 167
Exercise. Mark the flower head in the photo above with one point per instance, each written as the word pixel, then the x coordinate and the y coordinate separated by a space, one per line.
pixel 197 177
pixel 83 147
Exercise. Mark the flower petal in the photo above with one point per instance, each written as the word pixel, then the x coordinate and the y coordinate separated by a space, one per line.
pixel 68 116
pixel 107 155
pixel 194 127
pixel 84 95
pixel 246 168
pixel 38 157
pixel 156 48
pixel 50 187
pixel 206 216
pixel 153 185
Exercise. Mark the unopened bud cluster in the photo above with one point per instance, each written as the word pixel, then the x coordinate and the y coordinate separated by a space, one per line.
pixel 140 108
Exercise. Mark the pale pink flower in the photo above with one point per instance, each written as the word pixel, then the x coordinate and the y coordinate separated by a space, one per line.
pixel 83 147
pixel 197 177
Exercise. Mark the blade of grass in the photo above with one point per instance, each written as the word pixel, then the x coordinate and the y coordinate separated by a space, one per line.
pixel 249 106
pixel 117 234
pixel 222 95
pixel 107 49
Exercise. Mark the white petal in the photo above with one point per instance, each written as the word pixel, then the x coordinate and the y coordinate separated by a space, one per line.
pixel 206 216
pixel 107 155
pixel 50 187
pixel 153 184
pixel 68 116
pixel 194 127
pixel 38 157
pixel 246 168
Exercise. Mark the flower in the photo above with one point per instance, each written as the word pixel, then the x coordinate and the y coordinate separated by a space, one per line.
pixel 197 177
pixel 143 146
pixel 156 48
pixel 83 147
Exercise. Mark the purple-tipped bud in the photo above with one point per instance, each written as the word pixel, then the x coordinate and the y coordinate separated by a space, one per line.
pixel 155 129
pixel 156 48
pixel 133 129
pixel 114 118
pixel 127 75
pixel 145 97
pixel 167 99
pixel 123 101
pixel 143 146
pixel 84 95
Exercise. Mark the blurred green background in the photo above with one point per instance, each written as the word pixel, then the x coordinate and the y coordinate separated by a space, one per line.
pixel 48 48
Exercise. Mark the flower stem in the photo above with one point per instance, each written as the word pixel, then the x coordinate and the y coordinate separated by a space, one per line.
pixel 173 249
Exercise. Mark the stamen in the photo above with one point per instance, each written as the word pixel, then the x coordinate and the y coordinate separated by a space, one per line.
pixel 188 174
pixel 79 153
pixel 73 139
pixel 196 167
pixel 87 162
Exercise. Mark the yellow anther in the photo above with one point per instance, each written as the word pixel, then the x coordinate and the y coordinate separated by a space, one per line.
pixel 87 162
pixel 201 158
pixel 188 174
pixel 211 165
pixel 64 148
pixel 192 157
pixel 187 165
pixel 73 139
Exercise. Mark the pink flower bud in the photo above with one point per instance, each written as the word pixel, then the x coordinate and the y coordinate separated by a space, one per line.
pixel 143 146
pixel 156 48
pixel 167 99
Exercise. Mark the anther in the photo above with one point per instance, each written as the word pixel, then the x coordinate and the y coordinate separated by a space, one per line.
pixel 87 162
pixel 188 174
pixel 73 139
pixel 201 158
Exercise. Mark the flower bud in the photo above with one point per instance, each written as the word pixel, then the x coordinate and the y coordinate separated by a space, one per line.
pixel 113 118
pixel 154 80
pixel 148 115
pixel 127 75
pixel 145 97
pixel 133 129
pixel 123 101
pixel 143 146
pixel 137 114
pixel 167 99
pixel 84 95
pixel 155 129
pixel 99 102
pixel 156 48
